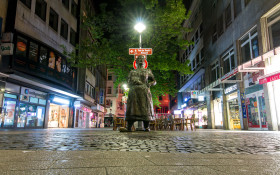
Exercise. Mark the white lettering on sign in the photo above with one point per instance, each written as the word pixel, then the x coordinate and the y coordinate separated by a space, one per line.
pixel 143 51
pixel 7 48
pixel 231 89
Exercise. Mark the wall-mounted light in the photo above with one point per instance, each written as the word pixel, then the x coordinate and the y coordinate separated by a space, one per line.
pixel 61 100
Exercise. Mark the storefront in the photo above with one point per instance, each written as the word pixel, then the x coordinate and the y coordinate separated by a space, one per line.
pixel 85 118
pixel 22 107
pixel 232 107
pixel 59 112
pixel 217 109
pixel 98 116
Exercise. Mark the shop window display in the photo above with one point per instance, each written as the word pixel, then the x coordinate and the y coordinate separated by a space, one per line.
pixel 58 116
pixel 8 112
pixel 255 109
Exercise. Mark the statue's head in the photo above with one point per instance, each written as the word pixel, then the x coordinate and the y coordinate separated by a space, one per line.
pixel 140 61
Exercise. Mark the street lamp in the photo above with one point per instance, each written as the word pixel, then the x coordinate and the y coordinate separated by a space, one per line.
pixel 140 27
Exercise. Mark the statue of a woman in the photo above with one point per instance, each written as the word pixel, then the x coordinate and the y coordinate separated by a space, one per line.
pixel 139 102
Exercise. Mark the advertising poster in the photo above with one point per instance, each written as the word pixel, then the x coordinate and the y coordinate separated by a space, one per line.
pixel 52 60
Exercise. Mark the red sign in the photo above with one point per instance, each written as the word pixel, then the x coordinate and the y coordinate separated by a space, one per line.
pixel 270 78
pixel 144 51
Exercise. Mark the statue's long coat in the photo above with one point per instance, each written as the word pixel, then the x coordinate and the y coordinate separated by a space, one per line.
pixel 139 102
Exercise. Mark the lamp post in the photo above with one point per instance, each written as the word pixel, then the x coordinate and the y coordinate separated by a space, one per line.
pixel 140 27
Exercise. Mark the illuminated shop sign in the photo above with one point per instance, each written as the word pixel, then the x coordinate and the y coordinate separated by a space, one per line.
pixel 177 111
pixel 61 100
pixel 200 98
pixel 231 89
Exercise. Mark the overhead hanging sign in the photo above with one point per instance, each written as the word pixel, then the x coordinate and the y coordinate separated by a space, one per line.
pixel 142 51
pixel 270 78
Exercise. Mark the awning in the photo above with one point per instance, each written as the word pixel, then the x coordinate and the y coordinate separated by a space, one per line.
pixel 25 80
pixel 226 77
pixel 211 87
pixel 192 80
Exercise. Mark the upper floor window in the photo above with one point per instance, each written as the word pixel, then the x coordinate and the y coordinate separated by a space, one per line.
pixel 215 73
pixel 40 9
pixel 273 23
pixel 64 29
pixel 249 45
pixel 228 61
pixel 109 90
pixel 53 21
pixel 72 37
pixel 66 3
pixel 228 18
pixel 160 98
pixel 74 8
pixel 214 34
pixel 109 77
pixel 220 30
pixel 43 56
pixel 27 3
pixel 237 7
pixel 33 51
pixel 21 48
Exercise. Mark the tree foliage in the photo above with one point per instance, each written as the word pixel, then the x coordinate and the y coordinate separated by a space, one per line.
pixel 112 34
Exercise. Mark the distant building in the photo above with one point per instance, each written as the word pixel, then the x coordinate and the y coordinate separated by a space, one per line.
pixel 115 104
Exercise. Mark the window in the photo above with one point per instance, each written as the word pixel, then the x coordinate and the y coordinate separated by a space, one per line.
pixel 43 56
pixel 220 25
pixel 63 65
pixel 160 98
pixel 228 60
pixel 64 29
pixel 33 52
pixel 246 2
pixel 202 55
pixel 41 8
pixel 109 77
pixel 66 3
pixel 74 8
pixel 197 60
pixel 273 23
pixel 237 7
pixel 215 73
pixel 109 90
pixel 214 34
pixel 196 37
pixel 200 30
pixel 228 19
pixel 21 47
pixel 249 45
pixel 72 37
pixel 92 92
pixel 53 21
pixel 27 3
pixel 193 64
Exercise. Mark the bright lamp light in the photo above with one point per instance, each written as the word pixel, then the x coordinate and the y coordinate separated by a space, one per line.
pixel 61 100
pixel 140 27
pixel 125 87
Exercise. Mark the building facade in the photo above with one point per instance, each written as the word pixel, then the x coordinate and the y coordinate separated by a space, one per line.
pixel 240 51
pixel 115 99
pixel 89 111
pixel 38 85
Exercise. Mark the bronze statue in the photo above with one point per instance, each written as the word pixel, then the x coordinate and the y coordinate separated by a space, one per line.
pixel 139 102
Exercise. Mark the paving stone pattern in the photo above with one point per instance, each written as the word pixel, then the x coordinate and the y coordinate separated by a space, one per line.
pixel 200 141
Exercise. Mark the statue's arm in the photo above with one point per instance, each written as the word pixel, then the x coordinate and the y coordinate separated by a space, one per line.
pixel 152 79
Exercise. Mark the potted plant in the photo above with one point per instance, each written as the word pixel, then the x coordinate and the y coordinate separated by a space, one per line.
pixel 204 126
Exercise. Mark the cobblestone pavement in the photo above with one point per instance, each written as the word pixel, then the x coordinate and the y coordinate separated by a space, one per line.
pixel 200 141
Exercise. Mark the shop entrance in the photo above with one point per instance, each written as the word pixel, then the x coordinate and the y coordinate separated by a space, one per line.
pixel 58 116
pixel 8 111
pixel 30 116
pixel 256 111
pixel 233 111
